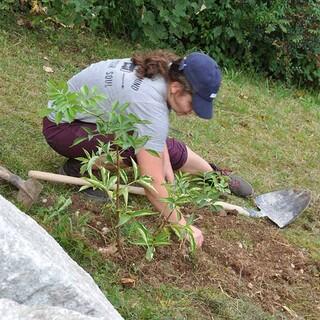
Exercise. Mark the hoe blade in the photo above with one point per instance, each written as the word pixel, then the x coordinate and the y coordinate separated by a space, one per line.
pixel 29 192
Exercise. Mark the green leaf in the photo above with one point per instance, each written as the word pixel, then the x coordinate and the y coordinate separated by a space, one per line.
pixel 168 200
pixel 163 238
pixel 283 28
pixel 177 229
pixel 135 169
pixel 58 117
pixel 146 184
pixel 123 176
pixel 150 253
pixel 84 188
pixel 153 153
pixel 96 184
pixel 124 218
pixel 89 131
pixel 112 181
pixel 123 107
pixel 141 213
pixel 104 175
pixel 124 191
pixel 78 140
pixel 191 239
pixel 65 205
pixel 91 163
pixel 85 90
pixel 144 233
pixel 217 31
pixel 270 28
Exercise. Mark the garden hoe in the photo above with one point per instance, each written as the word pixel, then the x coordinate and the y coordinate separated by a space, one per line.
pixel 29 190
pixel 281 207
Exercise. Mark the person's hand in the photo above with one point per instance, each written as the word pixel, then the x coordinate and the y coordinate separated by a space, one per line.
pixel 198 236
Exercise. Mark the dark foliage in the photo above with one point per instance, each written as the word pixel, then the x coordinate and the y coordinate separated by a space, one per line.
pixel 280 38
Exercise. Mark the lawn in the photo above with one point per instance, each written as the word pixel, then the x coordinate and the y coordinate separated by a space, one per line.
pixel 248 269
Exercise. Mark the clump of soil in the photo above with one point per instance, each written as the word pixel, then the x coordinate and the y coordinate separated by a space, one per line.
pixel 241 256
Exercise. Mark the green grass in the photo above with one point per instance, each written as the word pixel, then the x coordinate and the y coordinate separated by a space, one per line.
pixel 264 130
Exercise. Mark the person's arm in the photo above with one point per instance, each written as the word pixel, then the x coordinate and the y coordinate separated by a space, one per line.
pixel 154 167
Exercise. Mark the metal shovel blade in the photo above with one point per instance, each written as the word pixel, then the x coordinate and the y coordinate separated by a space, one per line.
pixel 281 207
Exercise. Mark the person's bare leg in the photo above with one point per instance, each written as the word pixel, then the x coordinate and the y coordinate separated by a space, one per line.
pixel 195 163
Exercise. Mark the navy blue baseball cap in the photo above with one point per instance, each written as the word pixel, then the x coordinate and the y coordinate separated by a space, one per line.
pixel 204 76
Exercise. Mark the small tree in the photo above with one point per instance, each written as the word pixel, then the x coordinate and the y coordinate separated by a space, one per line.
pixel 115 183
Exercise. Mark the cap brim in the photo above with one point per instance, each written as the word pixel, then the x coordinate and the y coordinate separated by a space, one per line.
pixel 202 107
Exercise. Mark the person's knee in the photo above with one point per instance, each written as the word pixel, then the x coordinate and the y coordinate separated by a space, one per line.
pixel 178 153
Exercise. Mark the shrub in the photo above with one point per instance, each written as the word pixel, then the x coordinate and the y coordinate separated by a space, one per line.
pixel 8 5
pixel 280 38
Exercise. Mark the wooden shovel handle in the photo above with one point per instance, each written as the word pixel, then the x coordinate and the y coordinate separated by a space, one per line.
pixel 47 176
pixel 53 177
pixel 229 206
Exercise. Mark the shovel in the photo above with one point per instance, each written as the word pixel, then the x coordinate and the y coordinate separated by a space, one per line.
pixel 281 207
pixel 29 190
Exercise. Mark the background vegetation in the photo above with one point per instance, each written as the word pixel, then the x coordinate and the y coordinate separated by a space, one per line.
pixel 280 38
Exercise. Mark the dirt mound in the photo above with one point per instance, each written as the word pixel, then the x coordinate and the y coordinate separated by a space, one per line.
pixel 240 256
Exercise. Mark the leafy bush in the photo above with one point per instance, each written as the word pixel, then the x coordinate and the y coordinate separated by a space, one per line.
pixel 8 5
pixel 280 37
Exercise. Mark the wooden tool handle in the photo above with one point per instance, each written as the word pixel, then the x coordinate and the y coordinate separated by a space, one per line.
pixel 53 177
pixel 47 176
pixel 12 178
pixel 229 206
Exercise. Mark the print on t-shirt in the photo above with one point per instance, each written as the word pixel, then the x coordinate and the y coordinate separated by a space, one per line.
pixel 136 84
pixel 108 79
pixel 127 67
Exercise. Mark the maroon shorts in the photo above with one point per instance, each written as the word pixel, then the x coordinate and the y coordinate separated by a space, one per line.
pixel 61 137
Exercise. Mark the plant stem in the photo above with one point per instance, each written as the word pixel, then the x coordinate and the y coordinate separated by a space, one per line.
pixel 163 223
pixel 101 234
pixel 118 202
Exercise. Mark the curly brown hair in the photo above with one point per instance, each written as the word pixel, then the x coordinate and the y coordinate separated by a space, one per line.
pixel 152 63
pixel 160 62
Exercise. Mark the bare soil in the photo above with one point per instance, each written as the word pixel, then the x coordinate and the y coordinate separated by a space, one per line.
pixel 240 256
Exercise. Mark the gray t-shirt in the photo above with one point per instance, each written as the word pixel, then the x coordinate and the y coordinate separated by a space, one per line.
pixel 117 80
